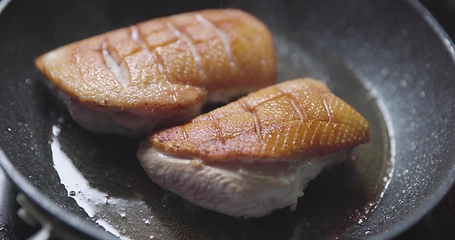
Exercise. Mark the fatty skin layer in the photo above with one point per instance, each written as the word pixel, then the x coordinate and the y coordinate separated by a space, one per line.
pixel 165 64
pixel 291 120
pixel 236 188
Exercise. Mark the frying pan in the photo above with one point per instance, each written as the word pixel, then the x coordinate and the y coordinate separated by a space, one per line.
pixel 389 59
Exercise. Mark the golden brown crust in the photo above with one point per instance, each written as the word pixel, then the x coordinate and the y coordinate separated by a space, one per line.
pixel 298 118
pixel 171 62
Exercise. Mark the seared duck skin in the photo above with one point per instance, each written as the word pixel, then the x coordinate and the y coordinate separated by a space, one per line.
pixel 160 72
pixel 258 153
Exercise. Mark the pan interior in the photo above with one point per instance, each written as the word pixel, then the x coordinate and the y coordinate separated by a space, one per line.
pixel 373 54
pixel 102 174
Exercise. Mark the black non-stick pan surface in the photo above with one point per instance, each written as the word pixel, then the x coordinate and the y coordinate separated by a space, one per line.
pixel 388 59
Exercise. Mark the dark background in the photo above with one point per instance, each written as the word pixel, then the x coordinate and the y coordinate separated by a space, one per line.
pixel 437 224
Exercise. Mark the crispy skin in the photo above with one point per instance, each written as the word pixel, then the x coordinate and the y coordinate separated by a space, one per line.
pixel 165 64
pixel 295 119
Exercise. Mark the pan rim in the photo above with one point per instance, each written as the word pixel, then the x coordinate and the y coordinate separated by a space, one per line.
pixel 26 187
pixel 45 204
pixel 443 189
